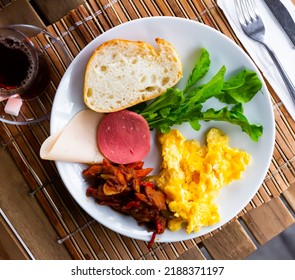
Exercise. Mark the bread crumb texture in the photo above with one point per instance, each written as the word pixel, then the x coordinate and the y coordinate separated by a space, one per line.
pixel 122 73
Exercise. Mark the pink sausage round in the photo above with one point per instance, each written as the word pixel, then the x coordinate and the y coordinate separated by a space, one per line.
pixel 124 137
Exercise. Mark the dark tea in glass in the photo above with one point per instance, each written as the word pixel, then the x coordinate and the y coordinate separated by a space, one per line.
pixel 24 70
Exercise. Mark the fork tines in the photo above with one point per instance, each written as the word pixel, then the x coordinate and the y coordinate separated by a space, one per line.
pixel 248 9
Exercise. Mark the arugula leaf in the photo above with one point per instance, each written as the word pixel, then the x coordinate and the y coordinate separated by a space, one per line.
pixel 172 97
pixel 176 106
pixel 200 69
pixel 195 124
pixel 210 89
pixel 234 116
pixel 241 87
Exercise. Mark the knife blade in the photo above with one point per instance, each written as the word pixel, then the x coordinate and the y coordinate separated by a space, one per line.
pixel 283 17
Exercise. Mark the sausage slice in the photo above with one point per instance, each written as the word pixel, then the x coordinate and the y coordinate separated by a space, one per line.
pixel 124 137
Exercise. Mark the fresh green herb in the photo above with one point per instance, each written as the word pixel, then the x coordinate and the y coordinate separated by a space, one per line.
pixel 200 69
pixel 234 116
pixel 241 88
pixel 176 106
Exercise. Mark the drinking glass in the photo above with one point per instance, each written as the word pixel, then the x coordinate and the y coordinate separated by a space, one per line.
pixel 32 62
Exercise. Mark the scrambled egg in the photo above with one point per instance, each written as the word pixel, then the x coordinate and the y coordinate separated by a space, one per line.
pixel 191 176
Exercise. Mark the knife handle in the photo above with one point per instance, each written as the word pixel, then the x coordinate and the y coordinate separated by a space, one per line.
pixel 290 86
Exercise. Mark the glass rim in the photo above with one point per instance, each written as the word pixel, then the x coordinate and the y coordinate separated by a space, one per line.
pixel 17 35
pixel 53 40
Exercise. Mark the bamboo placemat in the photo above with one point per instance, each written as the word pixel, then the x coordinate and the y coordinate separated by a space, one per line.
pixel 84 237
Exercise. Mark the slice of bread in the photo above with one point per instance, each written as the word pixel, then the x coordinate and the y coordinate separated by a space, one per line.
pixel 122 73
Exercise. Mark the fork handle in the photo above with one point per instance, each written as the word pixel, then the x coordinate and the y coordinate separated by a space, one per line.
pixel 285 77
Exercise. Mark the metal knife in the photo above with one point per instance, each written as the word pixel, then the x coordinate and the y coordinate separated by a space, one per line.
pixel 283 16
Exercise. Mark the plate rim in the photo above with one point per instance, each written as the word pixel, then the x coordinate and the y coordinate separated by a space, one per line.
pixel 169 18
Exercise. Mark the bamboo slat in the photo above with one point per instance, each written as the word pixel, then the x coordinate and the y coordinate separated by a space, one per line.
pixel 268 220
pixel 86 238
pixel 192 254
pixel 53 10
pixel 289 195
pixel 231 243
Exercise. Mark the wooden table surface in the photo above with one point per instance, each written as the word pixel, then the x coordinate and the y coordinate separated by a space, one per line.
pixel 25 230
pixel 22 210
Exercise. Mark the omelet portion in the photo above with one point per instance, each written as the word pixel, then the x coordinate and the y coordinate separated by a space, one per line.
pixel 192 176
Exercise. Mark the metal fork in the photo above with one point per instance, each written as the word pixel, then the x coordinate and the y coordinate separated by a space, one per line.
pixel 253 27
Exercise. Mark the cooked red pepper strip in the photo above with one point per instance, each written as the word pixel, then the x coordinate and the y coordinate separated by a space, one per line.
pixel 131 204
pixel 152 241
pixel 147 184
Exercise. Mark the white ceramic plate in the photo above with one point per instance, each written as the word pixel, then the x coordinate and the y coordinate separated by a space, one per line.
pixel 188 37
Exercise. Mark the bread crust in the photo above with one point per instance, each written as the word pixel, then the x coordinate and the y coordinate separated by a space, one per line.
pixel 122 73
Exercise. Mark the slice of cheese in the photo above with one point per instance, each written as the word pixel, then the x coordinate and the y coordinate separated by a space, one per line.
pixel 77 142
